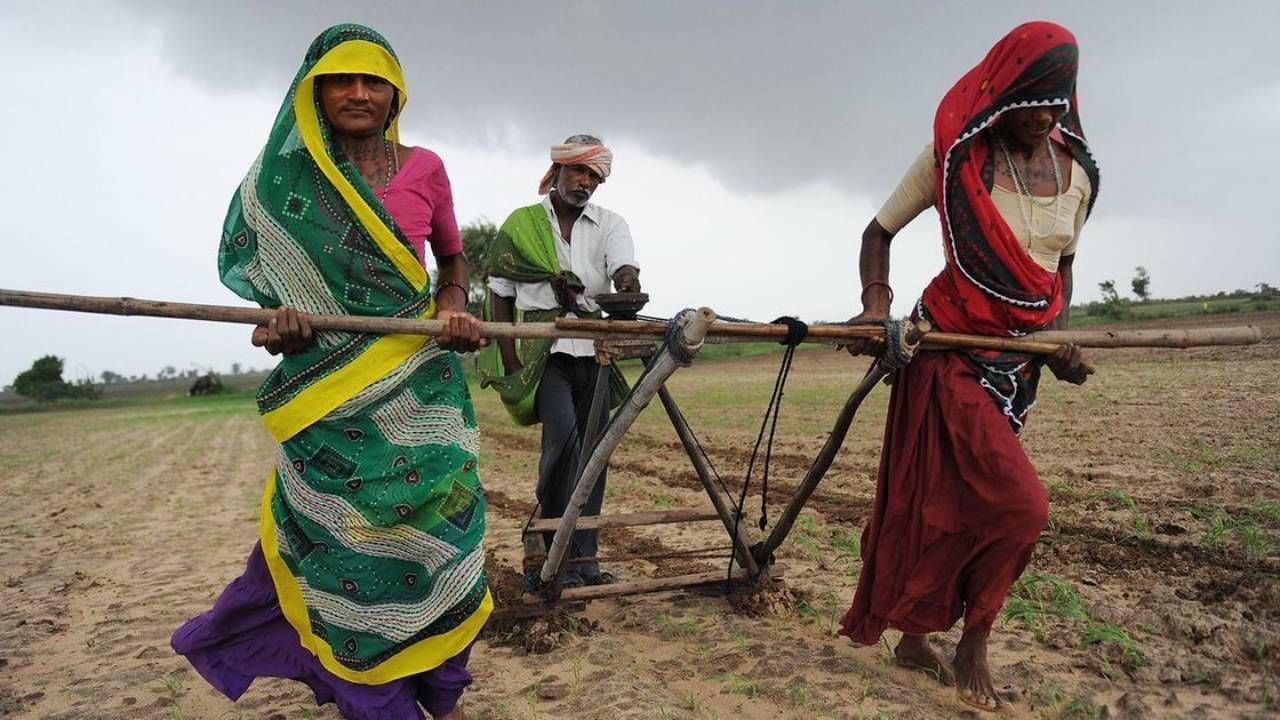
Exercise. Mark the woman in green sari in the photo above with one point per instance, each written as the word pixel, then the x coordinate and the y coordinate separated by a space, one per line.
pixel 368 582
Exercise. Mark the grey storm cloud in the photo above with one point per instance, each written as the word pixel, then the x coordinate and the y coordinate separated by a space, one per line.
pixel 769 95
pixel 763 134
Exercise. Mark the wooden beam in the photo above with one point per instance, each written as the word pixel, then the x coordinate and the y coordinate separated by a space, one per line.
pixel 639 587
pixel 652 517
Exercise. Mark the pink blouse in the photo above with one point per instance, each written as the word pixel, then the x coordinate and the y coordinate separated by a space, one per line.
pixel 420 200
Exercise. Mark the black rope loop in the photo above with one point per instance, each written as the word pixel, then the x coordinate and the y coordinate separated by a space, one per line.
pixel 797 330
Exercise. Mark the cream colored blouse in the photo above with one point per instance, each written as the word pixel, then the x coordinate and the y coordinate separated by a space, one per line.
pixel 1060 231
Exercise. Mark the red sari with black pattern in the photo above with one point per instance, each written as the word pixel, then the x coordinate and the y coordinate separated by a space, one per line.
pixel 958 506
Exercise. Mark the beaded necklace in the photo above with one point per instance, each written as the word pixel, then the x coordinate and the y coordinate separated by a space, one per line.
pixel 390 170
pixel 1023 188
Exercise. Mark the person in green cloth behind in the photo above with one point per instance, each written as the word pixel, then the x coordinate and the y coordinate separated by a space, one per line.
pixel 551 260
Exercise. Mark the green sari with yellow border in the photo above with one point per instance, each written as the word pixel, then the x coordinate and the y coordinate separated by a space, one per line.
pixel 374 515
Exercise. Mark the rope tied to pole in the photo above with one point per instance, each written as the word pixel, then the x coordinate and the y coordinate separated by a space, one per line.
pixel 681 351
pixel 797 330
pixel 898 348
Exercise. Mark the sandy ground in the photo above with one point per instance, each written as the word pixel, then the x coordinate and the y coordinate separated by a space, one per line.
pixel 1155 591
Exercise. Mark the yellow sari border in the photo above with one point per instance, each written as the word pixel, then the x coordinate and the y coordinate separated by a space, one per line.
pixel 417 658
pixel 365 58
pixel 323 396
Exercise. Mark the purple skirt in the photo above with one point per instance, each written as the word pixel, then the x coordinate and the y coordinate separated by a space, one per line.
pixel 245 636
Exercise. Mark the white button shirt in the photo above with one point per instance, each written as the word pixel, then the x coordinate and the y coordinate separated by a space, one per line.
pixel 601 243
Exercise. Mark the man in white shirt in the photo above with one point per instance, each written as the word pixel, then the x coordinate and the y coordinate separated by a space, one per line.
pixel 553 259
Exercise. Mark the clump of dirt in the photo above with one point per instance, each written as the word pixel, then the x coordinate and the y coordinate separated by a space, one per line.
pixel 541 634
pixel 505 583
pixel 535 634
pixel 770 598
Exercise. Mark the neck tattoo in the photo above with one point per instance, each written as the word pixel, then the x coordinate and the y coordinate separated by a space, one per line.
pixel 1027 202
pixel 390 169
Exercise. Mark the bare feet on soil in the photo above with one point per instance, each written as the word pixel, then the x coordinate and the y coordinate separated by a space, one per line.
pixel 973 675
pixel 915 653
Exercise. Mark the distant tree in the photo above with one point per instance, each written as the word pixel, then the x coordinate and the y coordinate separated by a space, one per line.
pixel 1267 291
pixel 477 237
pixel 235 368
pixel 109 377
pixel 1141 284
pixel 43 382
pixel 1112 305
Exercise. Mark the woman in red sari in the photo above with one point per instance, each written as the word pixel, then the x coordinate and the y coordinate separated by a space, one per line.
pixel 958 506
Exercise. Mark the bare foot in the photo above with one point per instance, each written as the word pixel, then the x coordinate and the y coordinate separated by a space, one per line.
pixel 455 714
pixel 915 652
pixel 973 675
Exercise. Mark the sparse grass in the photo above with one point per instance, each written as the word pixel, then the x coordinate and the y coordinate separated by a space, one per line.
pixel 1197 456
pixel 805 536
pixel 531 698
pixel 739 684
pixel 692 703
pixel 1253 539
pixel 678 628
pixel 1119 500
pixel 799 694
pixel 1036 599
pixel 848 543
pixel 1104 633
pixel 1056 704
pixel 822 614
pixel 662 500
pixel 575 681
pixel 1060 490
pixel 1267 513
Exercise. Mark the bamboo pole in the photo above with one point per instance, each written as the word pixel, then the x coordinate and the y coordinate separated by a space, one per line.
pixel 1040 343
pixel 260 316
pixel 818 333
pixel 1191 337
pixel 691 335
pixel 1037 343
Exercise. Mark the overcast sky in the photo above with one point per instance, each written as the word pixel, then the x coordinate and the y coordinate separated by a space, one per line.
pixel 753 142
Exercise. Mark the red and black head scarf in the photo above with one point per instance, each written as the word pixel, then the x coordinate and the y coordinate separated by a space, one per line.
pixel 991 285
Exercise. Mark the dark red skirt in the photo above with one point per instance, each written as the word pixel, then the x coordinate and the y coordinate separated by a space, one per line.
pixel 958 507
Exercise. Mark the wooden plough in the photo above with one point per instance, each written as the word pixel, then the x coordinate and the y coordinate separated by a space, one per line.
pixel 666 348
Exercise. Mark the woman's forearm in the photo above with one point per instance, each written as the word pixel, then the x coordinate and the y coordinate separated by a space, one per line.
pixel 454 283
pixel 873 269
